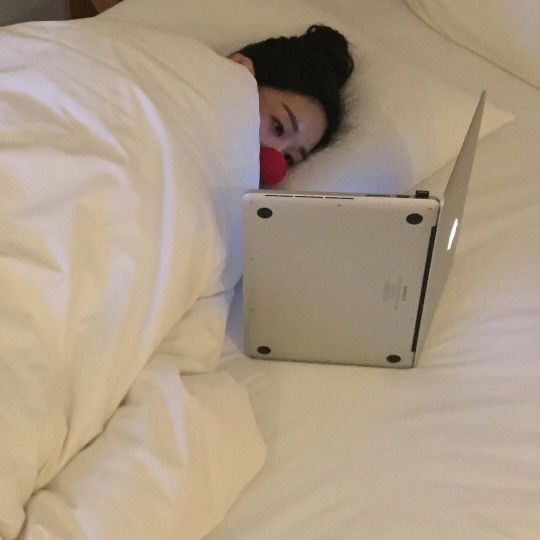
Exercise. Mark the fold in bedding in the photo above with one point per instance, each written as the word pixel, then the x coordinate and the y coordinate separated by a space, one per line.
pixel 123 153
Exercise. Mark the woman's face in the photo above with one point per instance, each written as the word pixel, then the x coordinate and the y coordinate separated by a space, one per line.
pixel 291 123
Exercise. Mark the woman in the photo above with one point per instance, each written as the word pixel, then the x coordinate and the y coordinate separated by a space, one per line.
pixel 300 80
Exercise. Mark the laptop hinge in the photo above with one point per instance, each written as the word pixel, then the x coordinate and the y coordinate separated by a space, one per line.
pixel 424 288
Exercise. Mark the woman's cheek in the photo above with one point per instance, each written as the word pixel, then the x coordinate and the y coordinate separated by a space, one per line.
pixel 265 136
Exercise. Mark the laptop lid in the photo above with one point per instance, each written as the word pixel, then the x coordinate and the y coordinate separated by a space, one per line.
pixel 449 223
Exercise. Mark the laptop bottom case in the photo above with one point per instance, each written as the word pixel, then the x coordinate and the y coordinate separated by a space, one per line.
pixel 335 279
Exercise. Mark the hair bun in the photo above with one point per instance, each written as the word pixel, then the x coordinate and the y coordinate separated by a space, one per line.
pixel 334 46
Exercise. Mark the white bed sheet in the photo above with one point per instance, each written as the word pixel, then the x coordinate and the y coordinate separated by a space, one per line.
pixel 450 449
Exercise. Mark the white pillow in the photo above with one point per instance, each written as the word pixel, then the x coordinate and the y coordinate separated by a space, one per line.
pixel 405 125
pixel 507 32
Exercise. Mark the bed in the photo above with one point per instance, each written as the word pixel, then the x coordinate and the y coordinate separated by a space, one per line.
pixel 239 449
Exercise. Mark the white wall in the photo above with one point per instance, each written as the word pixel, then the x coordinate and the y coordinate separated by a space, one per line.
pixel 13 11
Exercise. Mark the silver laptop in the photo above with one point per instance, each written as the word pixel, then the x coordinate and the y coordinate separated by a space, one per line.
pixel 349 278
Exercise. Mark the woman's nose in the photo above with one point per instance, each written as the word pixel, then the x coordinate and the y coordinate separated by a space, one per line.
pixel 279 144
pixel 270 139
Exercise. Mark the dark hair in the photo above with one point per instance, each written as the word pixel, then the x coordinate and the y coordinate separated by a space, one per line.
pixel 316 64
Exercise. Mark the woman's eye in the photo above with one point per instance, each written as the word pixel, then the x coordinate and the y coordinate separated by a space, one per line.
pixel 289 160
pixel 277 126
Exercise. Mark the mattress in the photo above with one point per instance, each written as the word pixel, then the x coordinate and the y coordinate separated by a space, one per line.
pixel 449 449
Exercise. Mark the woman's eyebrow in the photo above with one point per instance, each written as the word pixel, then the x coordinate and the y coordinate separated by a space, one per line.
pixel 294 123
pixel 292 117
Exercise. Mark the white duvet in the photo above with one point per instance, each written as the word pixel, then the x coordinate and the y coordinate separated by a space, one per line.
pixel 123 153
